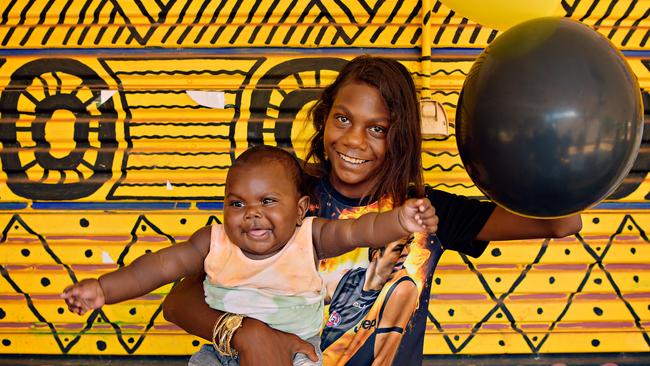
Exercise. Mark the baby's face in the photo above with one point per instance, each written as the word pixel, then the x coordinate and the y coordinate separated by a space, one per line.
pixel 261 210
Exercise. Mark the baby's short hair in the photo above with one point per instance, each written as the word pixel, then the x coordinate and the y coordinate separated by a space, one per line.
pixel 263 154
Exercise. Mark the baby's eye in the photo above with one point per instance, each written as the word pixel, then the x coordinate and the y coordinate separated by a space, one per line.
pixel 268 201
pixel 236 204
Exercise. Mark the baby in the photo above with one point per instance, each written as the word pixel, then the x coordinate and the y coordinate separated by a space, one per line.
pixel 262 261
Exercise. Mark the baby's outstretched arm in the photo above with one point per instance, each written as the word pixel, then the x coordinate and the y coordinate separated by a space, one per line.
pixel 417 214
pixel 142 276
pixel 335 237
pixel 83 296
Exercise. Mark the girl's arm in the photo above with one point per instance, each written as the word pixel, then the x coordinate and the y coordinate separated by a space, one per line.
pixel 335 237
pixel 153 270
pixel 256 342
pixel 504 225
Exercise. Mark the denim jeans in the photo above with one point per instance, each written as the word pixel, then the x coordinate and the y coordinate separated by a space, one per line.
pixel 207 356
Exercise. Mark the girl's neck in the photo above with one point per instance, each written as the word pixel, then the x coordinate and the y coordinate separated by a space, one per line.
pixel 343 196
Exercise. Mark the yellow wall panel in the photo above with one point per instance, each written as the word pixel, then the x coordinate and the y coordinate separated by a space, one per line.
pixel 155 162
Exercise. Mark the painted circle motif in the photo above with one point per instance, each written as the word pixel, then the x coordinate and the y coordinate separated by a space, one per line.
pixel 61 96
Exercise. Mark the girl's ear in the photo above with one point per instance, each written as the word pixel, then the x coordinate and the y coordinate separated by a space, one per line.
pixel 303 206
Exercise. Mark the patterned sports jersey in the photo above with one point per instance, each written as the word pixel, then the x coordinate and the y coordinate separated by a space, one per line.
pixel 357 314
pixel 460 220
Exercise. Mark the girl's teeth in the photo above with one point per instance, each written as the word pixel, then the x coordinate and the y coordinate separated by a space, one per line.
pixel 351 160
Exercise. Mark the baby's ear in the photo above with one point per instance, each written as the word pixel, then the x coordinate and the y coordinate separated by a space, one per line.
pixel 303 206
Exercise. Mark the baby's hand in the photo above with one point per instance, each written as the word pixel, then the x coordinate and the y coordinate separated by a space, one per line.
pixel 83 296
pixel 418 214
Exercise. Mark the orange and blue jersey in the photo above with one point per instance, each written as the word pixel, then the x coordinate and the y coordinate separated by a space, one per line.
pixel 460 220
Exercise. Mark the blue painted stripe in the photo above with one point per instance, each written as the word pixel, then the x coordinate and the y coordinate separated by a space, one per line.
pixel 209 205
pixel 246 51
pixel 217 206
pixel 12 205
pixel 249 51
pixel 111 205
pixel 622 206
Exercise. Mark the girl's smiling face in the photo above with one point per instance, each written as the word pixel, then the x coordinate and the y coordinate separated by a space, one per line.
pixel 355 138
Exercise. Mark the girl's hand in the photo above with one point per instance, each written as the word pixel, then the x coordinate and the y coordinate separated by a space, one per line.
pixel 83 296
pixel 418 214
pixel 259 344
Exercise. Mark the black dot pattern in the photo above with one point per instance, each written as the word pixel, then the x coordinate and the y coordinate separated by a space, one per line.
pixel 25 252
pixel 88 253
pixel 101 345
pixel 496 252
pixel 83 223
pixel 595 342
pixel 45 281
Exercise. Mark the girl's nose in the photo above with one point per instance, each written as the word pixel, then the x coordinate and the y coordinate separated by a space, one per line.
pixel 355 138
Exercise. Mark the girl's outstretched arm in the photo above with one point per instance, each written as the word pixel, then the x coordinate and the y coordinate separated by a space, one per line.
pixel 256 342
pixel 504 225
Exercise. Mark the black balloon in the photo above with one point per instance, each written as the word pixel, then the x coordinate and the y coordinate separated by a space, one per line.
pixel 550 118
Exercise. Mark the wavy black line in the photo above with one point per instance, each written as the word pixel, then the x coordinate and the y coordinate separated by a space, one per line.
pixel 453 185
pixel 436 138
pixel 440 154
pixel 180 72
pixel 167 167
pixel 439 166
pixel 169 91
pixel 173 184
pixel 180 153
pixel 183 137
pixel 170 106
pixel 179 124
pixel 445 93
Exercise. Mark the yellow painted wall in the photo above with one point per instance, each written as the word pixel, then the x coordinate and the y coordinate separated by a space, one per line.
pixel 92 179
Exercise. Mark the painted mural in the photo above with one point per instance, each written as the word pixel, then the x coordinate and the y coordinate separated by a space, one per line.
pixel 119 120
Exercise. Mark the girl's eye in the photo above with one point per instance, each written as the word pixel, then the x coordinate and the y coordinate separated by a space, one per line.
pixel 342 119
pixel 236 204
pixel 268 201
pixel 378 130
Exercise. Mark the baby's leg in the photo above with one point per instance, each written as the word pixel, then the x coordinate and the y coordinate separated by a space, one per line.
pixel 300 359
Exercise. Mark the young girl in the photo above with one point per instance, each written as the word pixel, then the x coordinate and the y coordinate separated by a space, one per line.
pixel 366 153
pixel 262 261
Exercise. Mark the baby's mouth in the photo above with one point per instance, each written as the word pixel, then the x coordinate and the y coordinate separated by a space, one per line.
pixel 350 159
pixel 258 233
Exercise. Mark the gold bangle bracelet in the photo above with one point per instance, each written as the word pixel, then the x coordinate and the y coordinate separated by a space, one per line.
pixel 223 331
